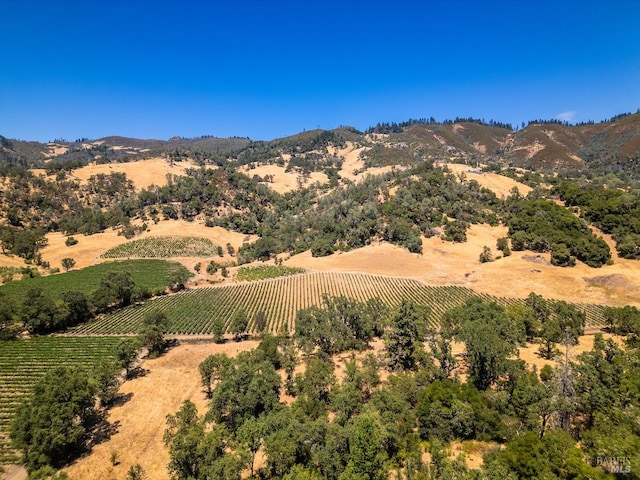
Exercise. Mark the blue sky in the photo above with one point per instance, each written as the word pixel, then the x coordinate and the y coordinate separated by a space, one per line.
pixel 273 68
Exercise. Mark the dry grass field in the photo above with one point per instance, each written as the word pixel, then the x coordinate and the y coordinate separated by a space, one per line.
pixel 140 420
pixel 353 163
pixel 499 184
pixel 142 173
pixel 283 181
pixel 444 263
pixel 89 248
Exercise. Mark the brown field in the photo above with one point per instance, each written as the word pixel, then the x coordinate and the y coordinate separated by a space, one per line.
pixel 353 162
pixel 89 248
pixel 11 261
pixel 444 263
pixel 499 184
pixel 141 419
pixel 283 182
pixel 143 173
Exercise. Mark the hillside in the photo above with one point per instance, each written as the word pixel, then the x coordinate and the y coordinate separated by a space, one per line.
pixel 419 279
pixel 611 145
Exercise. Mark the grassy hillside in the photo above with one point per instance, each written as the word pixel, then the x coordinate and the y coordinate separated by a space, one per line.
pixel 151 274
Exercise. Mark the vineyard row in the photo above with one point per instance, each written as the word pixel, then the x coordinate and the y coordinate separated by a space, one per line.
pixel 196 311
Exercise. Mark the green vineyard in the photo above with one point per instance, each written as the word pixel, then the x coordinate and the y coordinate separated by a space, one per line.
pixel 164 247
pixel 151 274
pixel 195 311
pixel 24 362
pixel 261 272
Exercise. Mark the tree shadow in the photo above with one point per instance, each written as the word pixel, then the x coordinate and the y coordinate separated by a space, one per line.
pixel 137 372
pixel 120 399
pixel 102 430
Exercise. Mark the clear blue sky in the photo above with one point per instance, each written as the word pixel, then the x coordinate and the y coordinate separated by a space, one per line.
pixel 267 69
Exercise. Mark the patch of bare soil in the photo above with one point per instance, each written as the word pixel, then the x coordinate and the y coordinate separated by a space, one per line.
pixel 141 419
pixel 447 263
pixel 472 451
pixel 55 150
pixel 11 261
pixel 89 248
pixel 498 184
pixel 353 165
pixel 283 181
pixel 585 344
pixel 14 472
pixel 143 173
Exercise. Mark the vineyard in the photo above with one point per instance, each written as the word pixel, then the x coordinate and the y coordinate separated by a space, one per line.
pixel 23 362
pixel 164 247
pixel 151 274
pixel 195 311
pixel 266 271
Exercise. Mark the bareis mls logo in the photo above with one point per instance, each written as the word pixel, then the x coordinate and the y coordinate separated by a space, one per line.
pixel 614 464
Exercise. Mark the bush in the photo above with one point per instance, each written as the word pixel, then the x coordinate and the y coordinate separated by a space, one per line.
pixel 486 255
pixel 455 231
pixel 70 241
pixel 561 256
pixel 321 248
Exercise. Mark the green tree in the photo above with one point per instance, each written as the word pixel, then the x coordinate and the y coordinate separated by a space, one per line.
pixel 136 472
pixel 565 325
pixel 8 330
pixel 105 377
pixel 250 389
pixel 184 435
pixel 502 244
pixel 624 320
pixel 212 267
pixel 486 255
pixel 313 387
pixel 126 353
pixel 68 263
pixel 561 256
pixel 77 307
pixel 367 454
pixel 600 379
pixel 152 333
pixel 259 321
pixel 218 329
pixel 40 314
pixel 238 325
pixel 251 436
pixel 490 339
pixel 554 456
pixel 116 289
pixel 404 342
pixel 213 369
pixel 51 427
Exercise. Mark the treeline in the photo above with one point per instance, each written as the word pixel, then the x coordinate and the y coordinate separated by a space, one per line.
pixel 40 313
pixel 393 127
pixel 550 423
pixel 542 226
pixel 612 210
